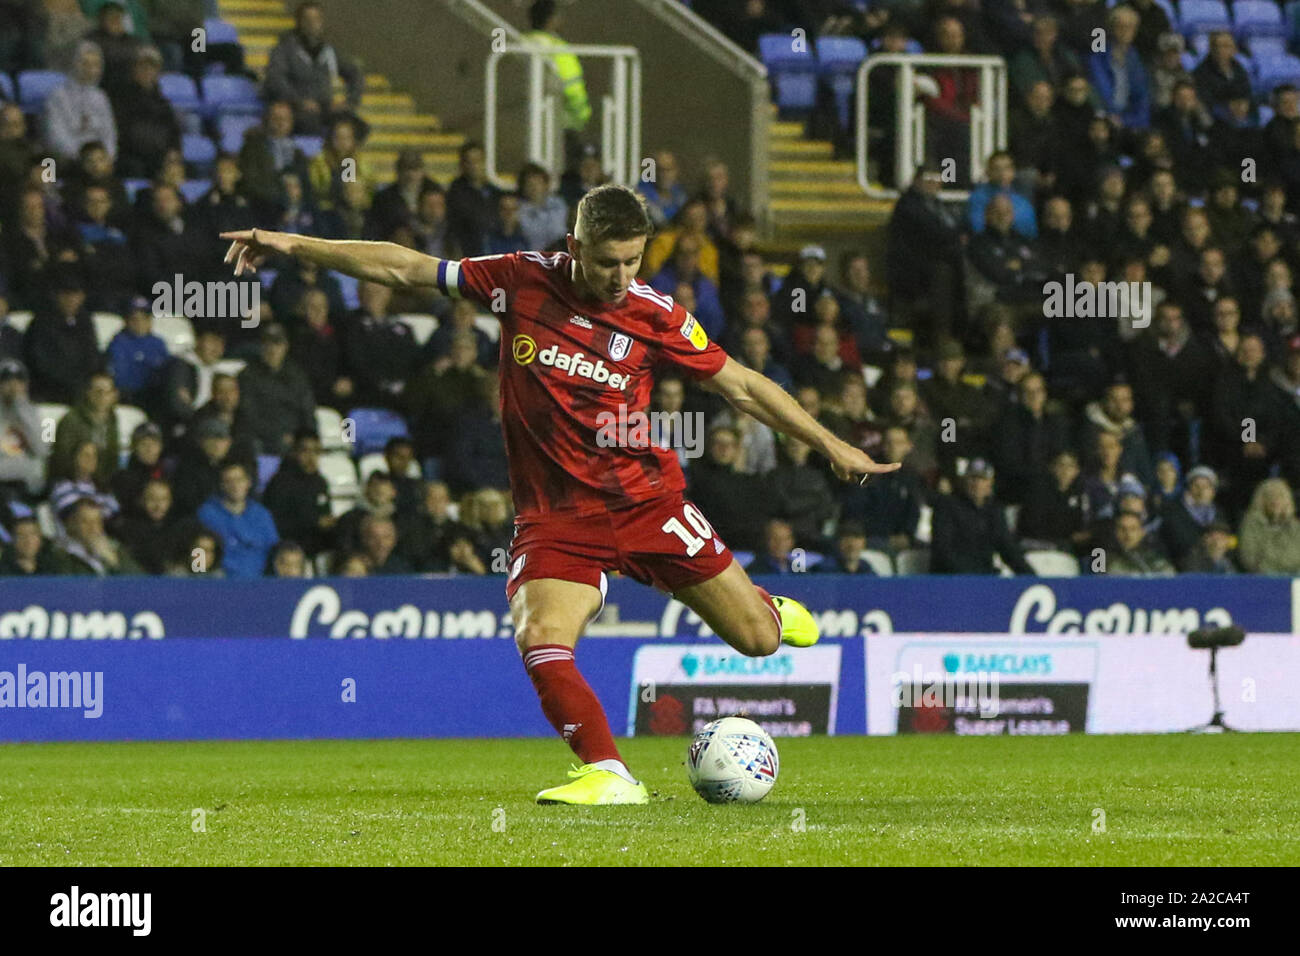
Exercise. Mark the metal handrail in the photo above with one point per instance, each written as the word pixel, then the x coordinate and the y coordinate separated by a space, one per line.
pixel 988 127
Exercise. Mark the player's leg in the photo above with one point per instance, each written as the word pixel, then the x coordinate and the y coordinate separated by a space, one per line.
pixel 746 616
pixel 549 616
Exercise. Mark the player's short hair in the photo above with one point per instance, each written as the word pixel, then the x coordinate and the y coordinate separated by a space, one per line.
pixel 612 212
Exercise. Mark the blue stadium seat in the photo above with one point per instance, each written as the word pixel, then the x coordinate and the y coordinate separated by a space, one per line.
pixel 1265 114
pixel 230 94
pixel 1276 70
pixel 7 91
pixel 231 130
pixel 267 466
pixel 180 91
pixel 1202 16
pixel 743 558
pixel 839 59
pixel 1267 46
pixel 1200 45
pixel 374 427
pixel 133 187
pixel 310 145
pixel 192 190
pixel 1291 14
pixel 349 287
pixel 1257 18
pixel 219 31
pixel 199 151
pixel 35 85
pixel 793 72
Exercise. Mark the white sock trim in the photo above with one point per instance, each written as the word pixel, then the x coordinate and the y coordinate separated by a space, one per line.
pixel 616 766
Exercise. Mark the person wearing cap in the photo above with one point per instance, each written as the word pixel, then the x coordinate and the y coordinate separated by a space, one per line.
pixel 60 344
pixel 93 419
pixel 78 111
pixel 795 302
pixel 23 449
pixel 398 202
pixel 137 357
pixel 1132 554
pixel 198 467
pixel 144 465
pixel 969 527
pixel 1186 519
pixel 278 390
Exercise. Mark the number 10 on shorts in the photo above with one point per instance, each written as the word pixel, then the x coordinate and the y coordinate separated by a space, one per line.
pixel 703 531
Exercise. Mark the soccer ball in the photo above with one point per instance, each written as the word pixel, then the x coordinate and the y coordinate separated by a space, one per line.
pixel 732 760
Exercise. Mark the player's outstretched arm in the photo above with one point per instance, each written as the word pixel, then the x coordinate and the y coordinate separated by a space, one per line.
pixel 384 262
pixel 759 397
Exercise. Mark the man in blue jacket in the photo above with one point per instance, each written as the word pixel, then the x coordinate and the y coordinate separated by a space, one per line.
pixel 1117 73
pixel 246 529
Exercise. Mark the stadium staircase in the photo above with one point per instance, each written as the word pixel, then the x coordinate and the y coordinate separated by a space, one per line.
pixel 394 122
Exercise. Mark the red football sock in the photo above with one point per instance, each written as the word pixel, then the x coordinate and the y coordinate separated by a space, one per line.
pixel 569 702
pixel 771 607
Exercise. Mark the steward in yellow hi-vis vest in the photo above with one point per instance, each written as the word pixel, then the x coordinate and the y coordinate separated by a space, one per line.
pixel 544 18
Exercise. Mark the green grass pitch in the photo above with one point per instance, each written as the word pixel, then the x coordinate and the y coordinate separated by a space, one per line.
pixel 1166 800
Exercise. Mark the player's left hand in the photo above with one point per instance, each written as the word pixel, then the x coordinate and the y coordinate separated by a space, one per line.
pixel 851 463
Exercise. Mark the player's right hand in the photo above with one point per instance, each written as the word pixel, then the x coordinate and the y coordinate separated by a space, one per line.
pixel 249 248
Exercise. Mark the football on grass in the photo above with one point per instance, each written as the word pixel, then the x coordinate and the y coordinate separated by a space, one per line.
pixel 732 760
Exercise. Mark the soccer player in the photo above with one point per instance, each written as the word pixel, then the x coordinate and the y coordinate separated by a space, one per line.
pixel 579 337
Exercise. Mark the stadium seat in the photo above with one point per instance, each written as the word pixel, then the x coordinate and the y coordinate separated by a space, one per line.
pixel 1202 16
pixel 374 427
pixel 743 558
pixel 369 464
pixel 192 190
pixel 129 418
pixel 1267 46
pixel 219 31
pixel 180 91
pixel 421 326
pixel 310 145
pixel 811 559
pixel 793 72
pixel 19 320
pixel 7 91
pixel 230 94
pixel 879 562
pixel 51 411
pixel 1265 114
pixel 839 59
pixel 341 473
pixel 199 151
pixel 133 187
pixel 913 561
pixel 489 325
pixel 329 426
pixel 231 130
pixel 1273 71
pixel 176 331
pixel 107 325
pixel 348 288
pixel 1053 564
pixel 35 85
pixel 1257 18
pixel 342 504
pixel 45 518
pixel 267 466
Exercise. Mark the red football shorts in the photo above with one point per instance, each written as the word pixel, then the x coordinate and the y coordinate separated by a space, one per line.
pixel 665 542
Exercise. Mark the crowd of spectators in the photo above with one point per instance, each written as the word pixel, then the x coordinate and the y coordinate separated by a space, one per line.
pixel 1015 432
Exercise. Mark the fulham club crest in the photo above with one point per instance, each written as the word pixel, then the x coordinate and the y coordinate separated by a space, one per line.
pixel 619 346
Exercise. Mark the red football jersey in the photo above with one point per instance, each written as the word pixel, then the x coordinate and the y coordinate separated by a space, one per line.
pixel 567 365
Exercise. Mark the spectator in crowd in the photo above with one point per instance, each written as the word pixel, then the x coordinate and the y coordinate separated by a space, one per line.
pixel 471 202
pixel 719 203
pixel 1215 552
pixel 137 357
pixel 692 220
pixel 1270 532
pixel 1132 555
pixel 23 449
pixel 1113 413
pixel 287 560
pixel 314 347
pixel 1045 60
pixel 756 353
pixel 439 391
pixel 269 151
pixel 197 553
pixel 1027 438
pixel 246 529
pixel 106 257
pixel 378 499
pixel 756 313
pixel 778 545
pixel 476 455
pixel 1220 78
pixel 87 548
pixel 146 122
pixel 1184 522
pixel 463 320
pixel 228 407
pixel 165 243
pixel 823 366
pixel 801 493
pixel 947 396
pixel 1117 72
pixel 850 542
pixel 37 255
pixel 506 234
pixel 78 111
pixel 379 350
pixel 145 464
pixel 732 499
pixel 543 215
pixel 148 529
pixel 424 537
pixel 187 378
pixel 430 228
pixel 932 283
pixel 398 203
pixel 379 545
pixel 28 553
pixel 1005 258
pixel 302 70
pixel 1055 510
pixel 1105 475
pixel 803 286
pixel 279 391
pixel 112 34
pixel 198 467
pixel 17 154
pixel 298 496
pixel 664 193
pixel 337 164
pixel 61 348
pixel 969 527
pixel 1001 170
pixel 485 515
pixel 1167 69
pixel 1249 418
pixel 684 267
pixel 864 314
pixel 94 420
pixel 892 501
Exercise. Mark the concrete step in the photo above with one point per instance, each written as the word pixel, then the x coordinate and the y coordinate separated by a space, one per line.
pixel 400 121
pixel 816 189
pixel 228 7
pixel 260 22
pixel 800 149
pixel 819 169
pixel 388 139
pixel 785 130
pixel 388 102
